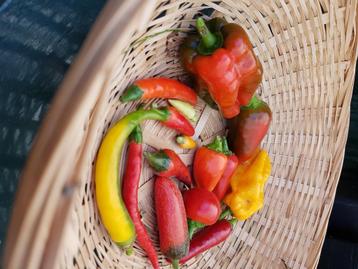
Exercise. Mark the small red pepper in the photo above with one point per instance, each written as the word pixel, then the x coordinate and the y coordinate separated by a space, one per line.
pixel 167 88
pixel 178 122
pixel 210 163
pixel 223 185
pixel 222 59
pixel 171 219
pixel 247 130
pixel 168 164
pixel 209 237
pixel 201 205
pixel 130 193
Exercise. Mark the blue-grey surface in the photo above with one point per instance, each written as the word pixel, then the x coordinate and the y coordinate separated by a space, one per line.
pixel 38 40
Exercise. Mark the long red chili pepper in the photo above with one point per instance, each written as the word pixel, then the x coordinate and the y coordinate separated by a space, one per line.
pixel 178 122
pixel 130 193
pixel 159 88
pixel 168 164
pixel 209 237
pixel 223 185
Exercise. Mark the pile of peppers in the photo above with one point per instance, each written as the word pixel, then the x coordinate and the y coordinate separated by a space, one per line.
pixel 226 181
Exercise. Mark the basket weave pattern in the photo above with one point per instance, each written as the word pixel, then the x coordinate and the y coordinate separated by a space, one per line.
pixel 308 49
pixel 307 52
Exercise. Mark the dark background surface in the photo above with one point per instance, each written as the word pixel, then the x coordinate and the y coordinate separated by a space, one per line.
pixel 38 40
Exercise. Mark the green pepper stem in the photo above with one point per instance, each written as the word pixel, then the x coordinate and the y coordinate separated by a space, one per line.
pixel 254 103
pixel 194 226
pixel 208 38
pixel 132 93
pixel 225 213
pixel 136 135
pixel 233 222
pixel 175 264
pixel 159 160
pixel 129 250
pixel 220 145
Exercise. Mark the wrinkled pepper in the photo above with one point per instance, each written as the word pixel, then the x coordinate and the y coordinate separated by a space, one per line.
pixel 113 212
pixel 247 185
pixel 247 130
pixel 210 163
pixel 221 57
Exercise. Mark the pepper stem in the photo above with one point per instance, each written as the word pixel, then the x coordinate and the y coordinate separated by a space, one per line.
pixel 159 160
pixel 220 145
pixel 175 264
pixel 233 222
pixel 136 135
pixel 208 38
pixel 254 103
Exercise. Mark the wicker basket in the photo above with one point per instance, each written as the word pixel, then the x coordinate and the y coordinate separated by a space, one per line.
pixel 308 49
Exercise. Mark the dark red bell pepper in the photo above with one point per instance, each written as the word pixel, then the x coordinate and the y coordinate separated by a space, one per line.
pixel 130 193
pixel 247 130
pixel 168 164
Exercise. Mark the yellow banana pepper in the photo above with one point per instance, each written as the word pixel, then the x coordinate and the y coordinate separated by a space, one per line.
pixel 247 184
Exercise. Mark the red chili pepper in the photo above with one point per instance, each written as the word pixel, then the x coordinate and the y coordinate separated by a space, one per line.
pixel 224 183
pixel 171 219
pixel 178 122
pixel 130 193
pixel 201 205
pixel 209 237
pixel 168 164
pixel 210 163
pixel 159 88
pixel 247 130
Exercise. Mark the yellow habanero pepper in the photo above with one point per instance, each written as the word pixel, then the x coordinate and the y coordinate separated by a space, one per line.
pixel 247 184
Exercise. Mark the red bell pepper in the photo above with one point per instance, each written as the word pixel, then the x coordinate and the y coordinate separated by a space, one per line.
pixel 201 205
pixel 130 193
pixel 168 164
pixel 222 59
pixel 150 88
pixel 210 163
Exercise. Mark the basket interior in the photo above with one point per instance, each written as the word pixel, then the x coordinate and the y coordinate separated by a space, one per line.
pixel 307 71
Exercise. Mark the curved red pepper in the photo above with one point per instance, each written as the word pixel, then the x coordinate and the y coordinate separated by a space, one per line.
pixel 224 183
pixel 209 237
pixel 209 164
pixel 150 88
pixel 168 164
pixel 130 193
pixel 178 122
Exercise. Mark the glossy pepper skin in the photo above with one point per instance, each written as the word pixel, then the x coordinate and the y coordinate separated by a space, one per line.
pixel 111 207
pixel 130 186
pixel 167 163
pixel 224 183
pixel 221 57
pixel 150 88
pixel 113 212
pixel 185 142
pixel 210 163
pixel 178 122
pixel 201 205
pixel 247 130
pixel 171 219
pixel 247 184
pixel 209 237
